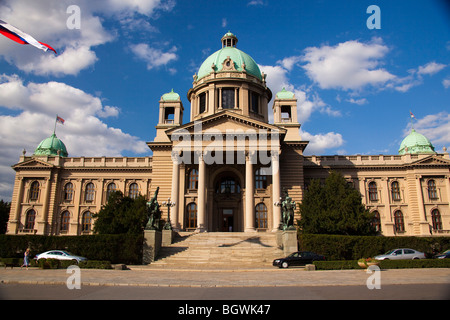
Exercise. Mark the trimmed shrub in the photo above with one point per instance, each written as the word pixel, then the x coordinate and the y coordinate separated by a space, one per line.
pixel 123 248
pixel 336 247
pixel 384 264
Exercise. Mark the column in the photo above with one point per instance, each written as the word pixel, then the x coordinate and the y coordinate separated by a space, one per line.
pixel 42 222
pixel 174 192
pixel 14 216
pixel 249 192
pixel 276 190
pixel 201 204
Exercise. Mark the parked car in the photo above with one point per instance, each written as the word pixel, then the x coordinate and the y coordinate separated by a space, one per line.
pixel 60 255
pixel 299 258
pixel 443 255
pixel 401 254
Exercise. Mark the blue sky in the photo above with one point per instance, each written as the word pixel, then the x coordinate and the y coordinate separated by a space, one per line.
pixel 355 86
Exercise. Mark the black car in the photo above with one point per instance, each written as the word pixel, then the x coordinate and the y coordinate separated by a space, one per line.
pixel 443 255
pixel 299 258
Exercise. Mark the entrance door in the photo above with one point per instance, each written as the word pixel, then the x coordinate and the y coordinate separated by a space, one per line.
pixel 227 220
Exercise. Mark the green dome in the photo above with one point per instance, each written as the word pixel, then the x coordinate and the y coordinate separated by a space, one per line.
pixel 170 96
pixel 50 147
pixel 239 58
pixel 416 143
pixel 283 94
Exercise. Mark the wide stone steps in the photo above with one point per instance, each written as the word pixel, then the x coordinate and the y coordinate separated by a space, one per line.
pixel 219 250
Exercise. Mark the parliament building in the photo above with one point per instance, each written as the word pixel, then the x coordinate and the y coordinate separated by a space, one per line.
pixel 227 168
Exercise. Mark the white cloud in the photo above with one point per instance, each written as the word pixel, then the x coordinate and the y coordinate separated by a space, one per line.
pixel 415 77
pixel 75 46
pixel 320 142
pixel 359 102
pixel 430 68
pixel 153 57
pixel 351 65
pixel 83 132
pixel 436 127
pixel 446 83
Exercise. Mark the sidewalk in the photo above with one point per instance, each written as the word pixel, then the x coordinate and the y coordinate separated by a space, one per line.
pixel 265 277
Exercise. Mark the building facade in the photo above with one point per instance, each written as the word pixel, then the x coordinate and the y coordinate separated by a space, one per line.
pixel 227 168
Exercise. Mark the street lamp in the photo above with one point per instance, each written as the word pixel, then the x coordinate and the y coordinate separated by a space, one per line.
pixel 168 204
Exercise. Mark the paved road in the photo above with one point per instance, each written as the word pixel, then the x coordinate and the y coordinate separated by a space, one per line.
pixel 254 284
pixel 387 292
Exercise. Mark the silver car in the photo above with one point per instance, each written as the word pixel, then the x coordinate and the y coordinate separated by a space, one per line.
pixel 401 254
pixel 60 255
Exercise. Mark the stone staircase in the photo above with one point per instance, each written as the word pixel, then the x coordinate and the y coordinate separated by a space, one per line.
pixel 219 250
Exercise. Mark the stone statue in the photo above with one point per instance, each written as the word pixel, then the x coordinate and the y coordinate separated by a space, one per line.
pixel 153 213
pixel 287 212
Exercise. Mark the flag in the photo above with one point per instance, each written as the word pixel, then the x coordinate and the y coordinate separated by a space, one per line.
pixel 21 37
pixel 412 116
pixel 60 120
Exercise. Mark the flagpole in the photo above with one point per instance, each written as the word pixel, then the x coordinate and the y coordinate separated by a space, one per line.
pixel 54 129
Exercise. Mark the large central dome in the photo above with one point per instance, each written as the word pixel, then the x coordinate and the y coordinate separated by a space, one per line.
pixel 242 61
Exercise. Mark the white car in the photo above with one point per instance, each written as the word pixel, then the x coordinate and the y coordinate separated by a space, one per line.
pixel 401 254
pixel 60 255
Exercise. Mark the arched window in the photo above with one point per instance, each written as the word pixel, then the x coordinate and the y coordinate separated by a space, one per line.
pixel 89 192
pixel 260 179
pixel 134 191
pixel 376 222
pixel 193 179
pixel 432 191
pixel 68 192
pixel 395 190
pixel 110 189
pixel 86 221
pixel 261 216
pixel 373 193
pixel 228 185
pixel 65 219
pixel 436 219
pixel 30 219
pixel 191 216
pixel 34 191
pixel 399 223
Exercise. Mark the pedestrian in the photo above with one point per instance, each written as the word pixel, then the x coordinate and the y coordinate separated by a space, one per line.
pixel 26 259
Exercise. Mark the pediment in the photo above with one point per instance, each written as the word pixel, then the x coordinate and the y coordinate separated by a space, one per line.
pixel 32 163
pixel 227 122
pixel 431 160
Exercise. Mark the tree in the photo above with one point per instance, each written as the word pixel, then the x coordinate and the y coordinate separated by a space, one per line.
pixel 334 208
pixel 121 215
pixel 4 215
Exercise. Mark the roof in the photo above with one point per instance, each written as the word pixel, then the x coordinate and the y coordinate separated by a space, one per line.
pixel 416 143
pixel 283 94
pixel 51 146
pixel 239 58
pixel 170 96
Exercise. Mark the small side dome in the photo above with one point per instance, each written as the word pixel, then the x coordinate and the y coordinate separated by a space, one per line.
pixel 416 143
pixel 284 94
pixel 170 96
pixel 51 146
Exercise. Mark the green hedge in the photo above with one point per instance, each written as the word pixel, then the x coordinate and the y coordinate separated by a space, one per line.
pixel 385 264
pixel 335 247
pixel 124 248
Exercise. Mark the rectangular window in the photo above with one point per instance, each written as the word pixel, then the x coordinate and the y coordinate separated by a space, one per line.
pixel 228 99
pixel 254 102
pixel 202 102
